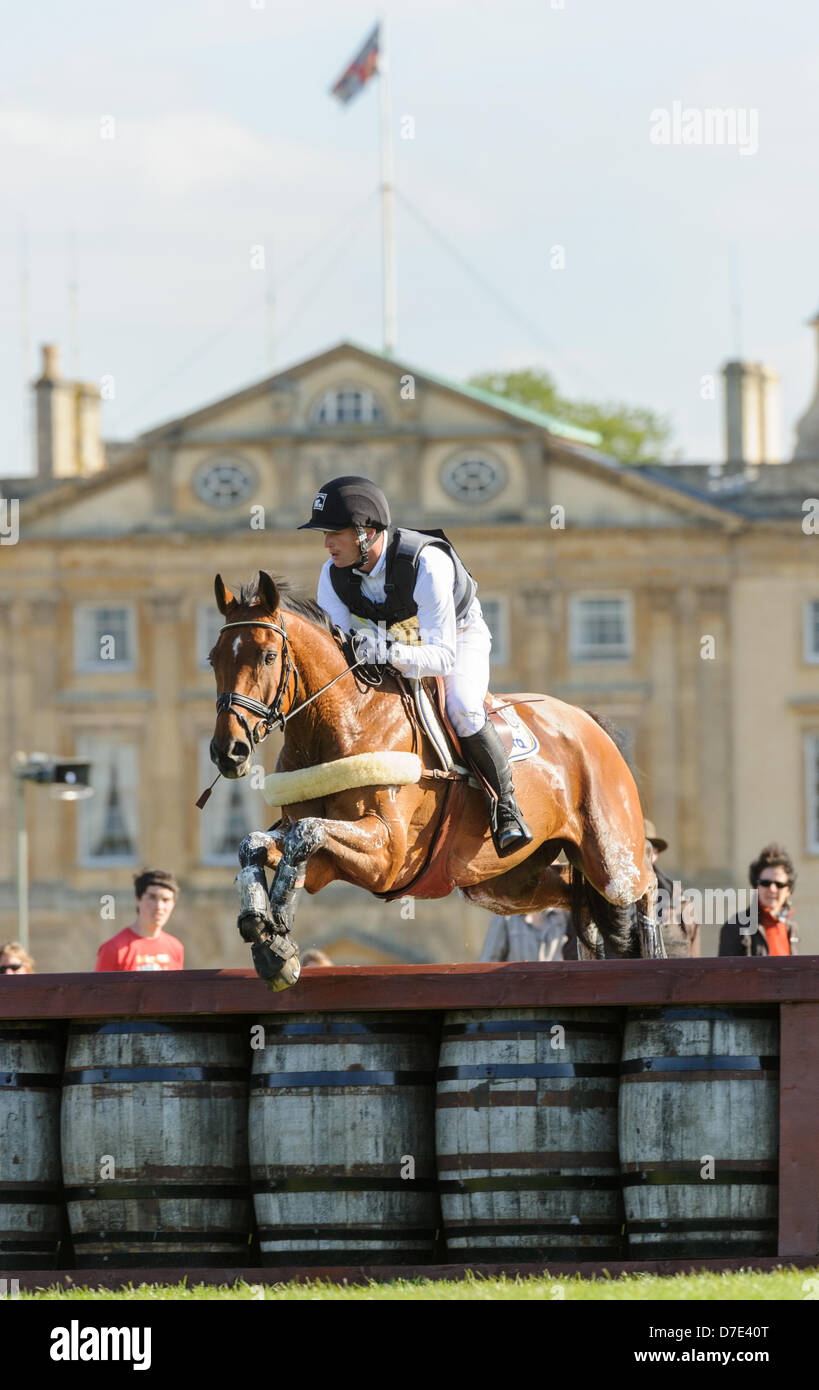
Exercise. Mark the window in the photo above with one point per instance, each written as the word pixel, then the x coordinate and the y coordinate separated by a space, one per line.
pixel 810 631
pixel 473 476
pixel 108 821
pixel 600 627
pixel 235 808
pixel 104 638
pixel 496 616
pixel 350 406
pixel 208 622
pixel 812 792
pixel 225 482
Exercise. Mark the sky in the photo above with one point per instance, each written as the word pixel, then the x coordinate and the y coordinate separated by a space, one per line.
pixel 531 129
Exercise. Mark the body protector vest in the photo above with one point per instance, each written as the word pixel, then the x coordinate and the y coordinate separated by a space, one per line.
pixel 401 573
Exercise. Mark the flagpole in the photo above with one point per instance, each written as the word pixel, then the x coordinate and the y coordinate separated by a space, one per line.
pixel 390 298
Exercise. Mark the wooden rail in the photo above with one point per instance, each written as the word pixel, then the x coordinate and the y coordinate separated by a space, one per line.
pixel 792 983
pixel 777 980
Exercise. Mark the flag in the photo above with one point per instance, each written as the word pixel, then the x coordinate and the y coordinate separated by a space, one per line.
pixel 360 70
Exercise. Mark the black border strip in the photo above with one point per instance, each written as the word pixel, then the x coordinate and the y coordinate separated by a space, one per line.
pixel 497 1071
pixel 671 1176
pixel 285 1080
pixel 142 1192
pixel 707 1063
pixel 97 1076
pixel 29 1080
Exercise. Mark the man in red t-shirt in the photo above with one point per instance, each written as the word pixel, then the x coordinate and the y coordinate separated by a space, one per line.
pixel 144 945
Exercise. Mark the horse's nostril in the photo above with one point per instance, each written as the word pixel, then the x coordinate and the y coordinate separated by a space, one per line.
pixel 232 754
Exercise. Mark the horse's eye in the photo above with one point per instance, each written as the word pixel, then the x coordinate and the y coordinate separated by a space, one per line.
pixel 269 657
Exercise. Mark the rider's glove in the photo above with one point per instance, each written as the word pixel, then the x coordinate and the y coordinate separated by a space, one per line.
pixel 371 647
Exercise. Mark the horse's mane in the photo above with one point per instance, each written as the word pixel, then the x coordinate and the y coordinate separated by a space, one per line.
pixel 292 600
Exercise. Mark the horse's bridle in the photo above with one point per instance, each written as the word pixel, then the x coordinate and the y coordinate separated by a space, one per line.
pixel 272 715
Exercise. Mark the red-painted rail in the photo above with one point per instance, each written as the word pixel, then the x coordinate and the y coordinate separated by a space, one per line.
pixel 778 980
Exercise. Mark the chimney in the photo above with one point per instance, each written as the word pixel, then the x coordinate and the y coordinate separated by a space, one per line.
pixel 753 420
pixel 807 429
pixel 68 423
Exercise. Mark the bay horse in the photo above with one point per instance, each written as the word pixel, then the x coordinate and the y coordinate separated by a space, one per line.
pixel 278 660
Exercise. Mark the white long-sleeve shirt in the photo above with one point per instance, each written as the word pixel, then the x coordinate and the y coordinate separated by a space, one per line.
pixel 433 593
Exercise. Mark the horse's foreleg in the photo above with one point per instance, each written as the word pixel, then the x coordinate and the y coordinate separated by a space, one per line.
pixel 311 852
pixel 275 954
pixel 368 852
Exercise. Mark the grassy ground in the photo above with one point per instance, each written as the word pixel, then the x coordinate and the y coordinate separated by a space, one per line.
pixel 742 1285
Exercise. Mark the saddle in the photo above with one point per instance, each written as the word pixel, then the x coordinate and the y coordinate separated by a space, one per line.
pixel 429 699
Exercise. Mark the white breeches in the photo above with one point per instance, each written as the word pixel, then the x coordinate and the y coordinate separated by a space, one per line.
pixel 468 681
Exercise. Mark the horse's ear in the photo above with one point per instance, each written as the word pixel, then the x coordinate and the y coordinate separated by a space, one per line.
pixel 268 591
pixel 224 598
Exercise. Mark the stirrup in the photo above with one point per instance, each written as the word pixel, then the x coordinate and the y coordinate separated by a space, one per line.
pixel 518 839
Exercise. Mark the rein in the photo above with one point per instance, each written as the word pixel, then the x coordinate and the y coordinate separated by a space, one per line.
pixel 272 715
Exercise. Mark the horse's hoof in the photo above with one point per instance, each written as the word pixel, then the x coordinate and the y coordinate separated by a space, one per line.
pixel 277 965
pixel 288 975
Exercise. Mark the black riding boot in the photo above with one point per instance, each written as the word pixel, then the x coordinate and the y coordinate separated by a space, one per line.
pixel 487 754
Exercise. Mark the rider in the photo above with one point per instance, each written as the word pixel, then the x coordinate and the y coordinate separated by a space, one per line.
pixel 379 575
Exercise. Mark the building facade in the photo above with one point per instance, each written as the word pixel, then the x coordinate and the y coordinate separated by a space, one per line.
pixel 686 613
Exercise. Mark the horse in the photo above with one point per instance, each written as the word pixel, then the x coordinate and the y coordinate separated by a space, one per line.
pixel 278 661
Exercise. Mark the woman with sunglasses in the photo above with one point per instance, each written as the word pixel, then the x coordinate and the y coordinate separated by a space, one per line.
pixel 770 930
pixel 15 960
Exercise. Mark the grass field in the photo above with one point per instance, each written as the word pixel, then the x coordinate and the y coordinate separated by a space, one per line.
pixel 741 1285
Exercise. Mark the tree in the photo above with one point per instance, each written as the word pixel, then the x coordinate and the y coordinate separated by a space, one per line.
pixel 632 434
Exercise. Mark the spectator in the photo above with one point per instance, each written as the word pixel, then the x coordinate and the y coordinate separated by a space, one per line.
pixel 770 927
pixel 678 923
pixel 144 945
pixel 314 957
pixel 527 936
pixel 15 959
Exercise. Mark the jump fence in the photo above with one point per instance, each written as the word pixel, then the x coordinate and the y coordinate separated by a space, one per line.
pixel 653 1115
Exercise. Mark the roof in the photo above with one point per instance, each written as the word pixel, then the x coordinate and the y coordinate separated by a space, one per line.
pixel 766 492
pixel 559 428
pixel 477 393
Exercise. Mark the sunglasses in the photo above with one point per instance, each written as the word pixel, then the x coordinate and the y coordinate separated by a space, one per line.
pixel 5 968
pixel 773 883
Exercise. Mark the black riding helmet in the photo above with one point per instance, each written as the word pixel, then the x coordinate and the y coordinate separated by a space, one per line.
pixel 349 501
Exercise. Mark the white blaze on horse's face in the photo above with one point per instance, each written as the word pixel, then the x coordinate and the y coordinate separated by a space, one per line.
pixel 237 642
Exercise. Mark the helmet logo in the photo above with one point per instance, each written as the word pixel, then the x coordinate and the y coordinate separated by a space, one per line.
pixel 318 505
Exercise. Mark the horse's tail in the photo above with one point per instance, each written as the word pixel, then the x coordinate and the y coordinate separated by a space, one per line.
pixel 617 925
pixel 589 909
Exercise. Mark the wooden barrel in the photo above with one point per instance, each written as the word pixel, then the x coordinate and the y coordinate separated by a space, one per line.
pixel 699 1131
pixel 342 1157
pixel 527 1133
pixel 32 1218
pixel 154 1143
